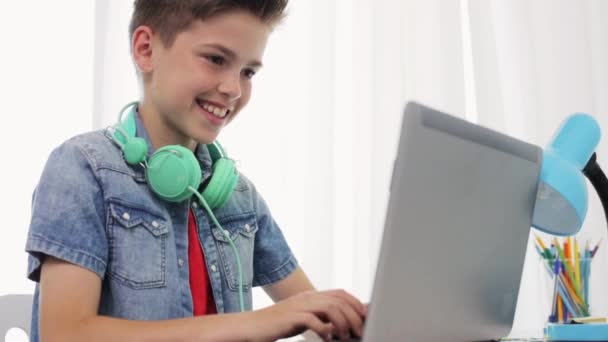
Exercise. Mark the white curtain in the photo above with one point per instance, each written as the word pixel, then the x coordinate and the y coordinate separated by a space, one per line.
pixel 319 136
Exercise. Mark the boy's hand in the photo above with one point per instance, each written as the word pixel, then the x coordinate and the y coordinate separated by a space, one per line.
pixel 327 313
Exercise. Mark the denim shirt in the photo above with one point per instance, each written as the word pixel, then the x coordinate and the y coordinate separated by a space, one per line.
pixel 94 210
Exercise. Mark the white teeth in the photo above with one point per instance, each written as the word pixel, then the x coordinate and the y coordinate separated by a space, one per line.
pixel 219 112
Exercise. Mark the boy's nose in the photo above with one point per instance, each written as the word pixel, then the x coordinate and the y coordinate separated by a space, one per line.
pixel 230 86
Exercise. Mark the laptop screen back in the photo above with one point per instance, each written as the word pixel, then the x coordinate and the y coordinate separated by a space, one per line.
pixel 456 231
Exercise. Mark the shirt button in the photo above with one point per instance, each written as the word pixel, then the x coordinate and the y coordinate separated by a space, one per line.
pixel 213 268
pixel 247 227
pixel 194 205
pixel 126 216
pixel 180 262
pixel 155 224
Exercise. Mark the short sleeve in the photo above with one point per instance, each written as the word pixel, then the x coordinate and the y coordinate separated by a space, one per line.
pixel 272 259
pixel 68 220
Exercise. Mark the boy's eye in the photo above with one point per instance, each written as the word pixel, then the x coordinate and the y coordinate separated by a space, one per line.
pixel 249 73
pixel 219 60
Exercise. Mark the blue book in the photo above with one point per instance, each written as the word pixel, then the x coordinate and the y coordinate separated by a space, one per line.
pixel 577 332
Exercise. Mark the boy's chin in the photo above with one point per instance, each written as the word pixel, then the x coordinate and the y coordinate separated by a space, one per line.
pixel 206 137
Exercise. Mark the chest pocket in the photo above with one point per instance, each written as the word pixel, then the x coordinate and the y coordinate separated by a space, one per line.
pixel 242 229
pixel 138 239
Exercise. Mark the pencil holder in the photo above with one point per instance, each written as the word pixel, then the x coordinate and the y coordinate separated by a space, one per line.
pixel 565 288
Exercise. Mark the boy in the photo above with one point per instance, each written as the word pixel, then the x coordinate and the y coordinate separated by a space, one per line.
pixel 114 261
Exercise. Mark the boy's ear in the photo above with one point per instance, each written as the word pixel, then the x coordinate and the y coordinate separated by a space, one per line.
pixel 141 46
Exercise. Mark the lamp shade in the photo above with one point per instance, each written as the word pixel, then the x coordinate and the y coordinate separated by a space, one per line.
pixel 561 201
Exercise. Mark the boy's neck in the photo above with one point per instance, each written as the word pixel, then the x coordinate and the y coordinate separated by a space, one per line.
pixel 159 131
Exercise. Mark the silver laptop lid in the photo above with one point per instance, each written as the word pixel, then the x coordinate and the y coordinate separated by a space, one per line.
pixel 456 231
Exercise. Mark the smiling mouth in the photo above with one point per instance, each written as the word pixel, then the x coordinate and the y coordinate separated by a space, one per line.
pixel 219 112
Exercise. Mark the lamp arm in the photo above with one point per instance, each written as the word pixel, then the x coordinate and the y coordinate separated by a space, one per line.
pixel 599 181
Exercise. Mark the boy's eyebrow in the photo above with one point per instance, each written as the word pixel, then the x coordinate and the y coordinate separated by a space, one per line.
pixel 232 54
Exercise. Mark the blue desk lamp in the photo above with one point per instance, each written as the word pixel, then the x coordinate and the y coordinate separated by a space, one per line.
pixel 561 202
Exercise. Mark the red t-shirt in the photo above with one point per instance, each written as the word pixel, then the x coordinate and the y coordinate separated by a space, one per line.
pixel 202 295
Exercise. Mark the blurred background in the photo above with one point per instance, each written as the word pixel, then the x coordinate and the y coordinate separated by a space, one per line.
pixel 319 136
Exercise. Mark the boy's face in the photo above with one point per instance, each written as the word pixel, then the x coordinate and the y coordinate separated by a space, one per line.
pixel 199 84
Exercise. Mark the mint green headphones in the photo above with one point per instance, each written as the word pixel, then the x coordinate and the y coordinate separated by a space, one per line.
pixel 173 170
pixel 173 173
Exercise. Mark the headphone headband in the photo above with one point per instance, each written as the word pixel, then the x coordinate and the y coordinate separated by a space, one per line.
pixel 126 129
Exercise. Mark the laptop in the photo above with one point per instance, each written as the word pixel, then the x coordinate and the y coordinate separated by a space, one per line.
pixel 456 231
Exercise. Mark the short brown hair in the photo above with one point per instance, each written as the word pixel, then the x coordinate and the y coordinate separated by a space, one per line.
pixel 170 17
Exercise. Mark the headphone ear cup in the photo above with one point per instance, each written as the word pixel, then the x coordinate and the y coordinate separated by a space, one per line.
pixel 222 183
pixel 171 171
pixel 135 150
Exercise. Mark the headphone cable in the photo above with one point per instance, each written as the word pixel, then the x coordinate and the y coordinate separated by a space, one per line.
pixel 227 235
